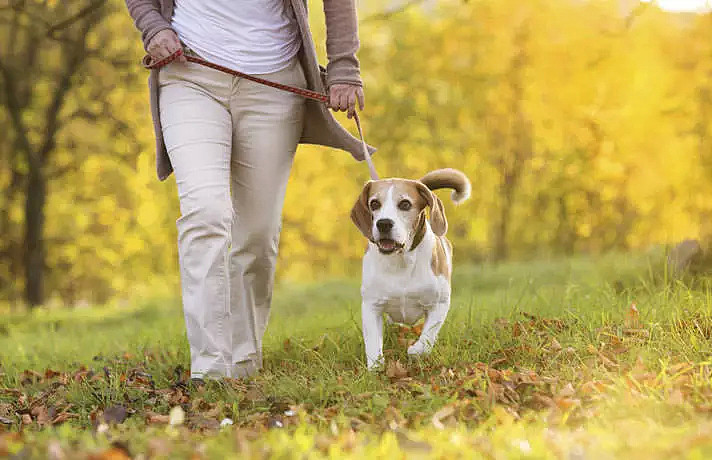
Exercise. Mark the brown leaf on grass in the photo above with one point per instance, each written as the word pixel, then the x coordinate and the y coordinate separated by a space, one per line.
pixel 555 345
pixel 395 370
pixel 174 396
pixel 82 374
pixel 632 317
pixel 154 418
pixel 202 423
pixel 567 391
pixel 592 387
pixel 441 415
pixel 637 333
pixel 517 329
pixel 41 415
pixel 50 374
pixel 566 404
pixel 63 417
pixel 112 453
pixel 394 418
pixel 608 362
pixel 140 378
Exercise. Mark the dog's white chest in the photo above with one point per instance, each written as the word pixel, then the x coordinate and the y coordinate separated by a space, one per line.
pixel 403 287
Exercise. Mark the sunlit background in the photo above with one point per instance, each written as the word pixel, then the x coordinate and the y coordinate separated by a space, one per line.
pixel 585 127
pixel 682 5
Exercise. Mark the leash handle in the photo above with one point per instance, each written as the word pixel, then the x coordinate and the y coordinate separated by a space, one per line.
pixel 366 155
pixel 309 94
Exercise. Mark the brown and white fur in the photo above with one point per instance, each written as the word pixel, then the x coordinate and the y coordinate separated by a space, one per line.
pixel 408 263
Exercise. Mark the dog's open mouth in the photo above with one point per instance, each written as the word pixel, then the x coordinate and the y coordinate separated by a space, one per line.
pixel 388 246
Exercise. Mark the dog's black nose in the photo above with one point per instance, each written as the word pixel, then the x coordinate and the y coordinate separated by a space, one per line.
pixel 384 225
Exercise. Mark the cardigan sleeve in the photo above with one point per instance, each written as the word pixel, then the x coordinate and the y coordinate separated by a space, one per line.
pixel 147 18
pixel 342 42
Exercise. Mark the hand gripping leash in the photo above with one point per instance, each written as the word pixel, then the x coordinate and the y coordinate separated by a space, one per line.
pixel 316 96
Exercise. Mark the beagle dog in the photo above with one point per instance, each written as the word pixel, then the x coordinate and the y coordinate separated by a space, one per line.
pixel 407 266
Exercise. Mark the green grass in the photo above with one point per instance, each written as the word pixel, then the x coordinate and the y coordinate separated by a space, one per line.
pixel 536 360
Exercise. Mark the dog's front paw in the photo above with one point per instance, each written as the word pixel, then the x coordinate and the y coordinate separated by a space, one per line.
pixel 419 348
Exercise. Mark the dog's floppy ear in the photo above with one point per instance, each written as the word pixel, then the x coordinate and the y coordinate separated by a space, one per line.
pixel 361 215
pixel 438 222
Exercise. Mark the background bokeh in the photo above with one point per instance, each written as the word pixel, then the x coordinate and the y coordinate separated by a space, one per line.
pixel 585 127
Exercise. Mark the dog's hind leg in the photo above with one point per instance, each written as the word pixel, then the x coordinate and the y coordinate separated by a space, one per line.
pixel 434 320
pixel 372 325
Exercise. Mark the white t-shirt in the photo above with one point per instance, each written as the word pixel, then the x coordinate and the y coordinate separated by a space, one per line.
pixel 252 36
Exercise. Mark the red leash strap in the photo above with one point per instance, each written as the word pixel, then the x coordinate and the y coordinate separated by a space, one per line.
pixel 309 94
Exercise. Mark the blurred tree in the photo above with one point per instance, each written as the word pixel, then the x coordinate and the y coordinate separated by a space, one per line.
pixel 510 139
pixel 584 126
pixel 46 45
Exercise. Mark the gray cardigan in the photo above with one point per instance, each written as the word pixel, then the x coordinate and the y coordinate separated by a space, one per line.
pixel 320 126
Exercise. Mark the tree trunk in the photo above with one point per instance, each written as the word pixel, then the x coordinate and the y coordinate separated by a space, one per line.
pixel 518 146
pixel 501 248
pixel 34 244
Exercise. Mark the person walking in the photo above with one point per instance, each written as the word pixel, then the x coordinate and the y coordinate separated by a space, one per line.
pixel 231 143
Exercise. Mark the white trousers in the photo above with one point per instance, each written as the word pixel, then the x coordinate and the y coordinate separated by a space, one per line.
pixel 231 143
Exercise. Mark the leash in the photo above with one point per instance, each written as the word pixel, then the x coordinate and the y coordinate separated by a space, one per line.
pixel 306 93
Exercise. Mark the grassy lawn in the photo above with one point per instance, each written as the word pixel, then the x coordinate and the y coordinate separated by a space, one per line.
pixel 536 360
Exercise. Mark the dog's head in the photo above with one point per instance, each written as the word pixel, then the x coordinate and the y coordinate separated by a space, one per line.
pixel 392 213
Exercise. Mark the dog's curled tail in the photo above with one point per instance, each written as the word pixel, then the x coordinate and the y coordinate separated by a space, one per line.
pixel 449 178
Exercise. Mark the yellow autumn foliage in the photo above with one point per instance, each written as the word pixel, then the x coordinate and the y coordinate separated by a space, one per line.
pixel 585 126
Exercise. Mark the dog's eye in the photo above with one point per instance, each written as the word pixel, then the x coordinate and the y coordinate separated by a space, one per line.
pixel 405 205
pixel 375 205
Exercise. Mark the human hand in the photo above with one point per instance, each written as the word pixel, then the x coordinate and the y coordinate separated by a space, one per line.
pixel 343 98
pixel 163 44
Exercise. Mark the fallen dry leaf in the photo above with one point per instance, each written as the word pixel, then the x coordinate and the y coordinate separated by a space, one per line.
pixel 395 370
pixel 565 404
pixel 112 453
pixel 63 417
pixel 632 319
pixel 50 374
pixel 41 414
pixel 154 418
pixel 441 415
pixel 567 391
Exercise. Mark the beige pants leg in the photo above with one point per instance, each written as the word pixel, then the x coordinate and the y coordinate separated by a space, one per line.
pixel 231 143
